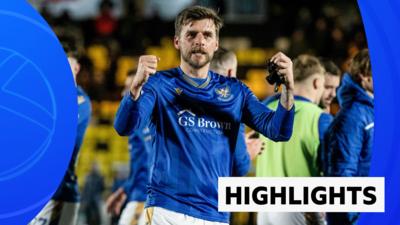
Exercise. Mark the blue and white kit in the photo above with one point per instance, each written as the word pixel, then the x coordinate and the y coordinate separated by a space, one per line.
pixel 196 130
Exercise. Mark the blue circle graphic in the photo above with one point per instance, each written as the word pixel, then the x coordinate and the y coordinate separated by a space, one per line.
pixel 382 21
pixel 38 112
pixel 11 103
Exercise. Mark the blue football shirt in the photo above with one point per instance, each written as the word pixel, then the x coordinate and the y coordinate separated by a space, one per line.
pixel 196 130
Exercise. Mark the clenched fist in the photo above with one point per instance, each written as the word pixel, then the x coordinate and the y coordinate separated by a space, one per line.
pixel 147 66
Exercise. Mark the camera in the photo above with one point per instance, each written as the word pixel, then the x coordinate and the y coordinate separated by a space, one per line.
pixel 273 75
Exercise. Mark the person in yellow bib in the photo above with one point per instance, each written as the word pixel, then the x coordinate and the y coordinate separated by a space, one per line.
pixel 297 157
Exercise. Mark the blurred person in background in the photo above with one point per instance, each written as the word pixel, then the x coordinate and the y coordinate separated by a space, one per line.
pixel 106 23
pixel 120 176
pixel 196 114
pixel 297 157
pixel 348 141
pixel 92 195
pixel 134 189
pixel 64 205
pixel 332 81
pixel 224 62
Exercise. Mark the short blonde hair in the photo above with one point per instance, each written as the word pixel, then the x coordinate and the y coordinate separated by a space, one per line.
pixel 305 66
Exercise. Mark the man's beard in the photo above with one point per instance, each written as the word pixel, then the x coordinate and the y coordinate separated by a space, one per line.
pixel 196 64
pixel 324 104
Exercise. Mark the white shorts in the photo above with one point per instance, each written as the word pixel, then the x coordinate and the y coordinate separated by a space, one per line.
pixel 133 214
pixel 290 218
pixel 57 212
pixel 161 216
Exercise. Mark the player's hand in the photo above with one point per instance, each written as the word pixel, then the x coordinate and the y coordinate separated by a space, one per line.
pixel 115 202
pixel 147 66
pixel 255 146
pixel 285 69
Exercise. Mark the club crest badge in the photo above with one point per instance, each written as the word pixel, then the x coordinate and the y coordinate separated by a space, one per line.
pixel 178 91
pixel 224 93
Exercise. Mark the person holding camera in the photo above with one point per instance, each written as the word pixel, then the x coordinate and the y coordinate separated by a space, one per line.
pixel 298 156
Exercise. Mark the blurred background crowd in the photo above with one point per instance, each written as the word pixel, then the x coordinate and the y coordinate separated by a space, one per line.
pixel 111 34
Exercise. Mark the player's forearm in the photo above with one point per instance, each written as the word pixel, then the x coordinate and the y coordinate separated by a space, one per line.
pixel 125 118
pixel 282 124
pixel 287 98
pixel 277 126
pixel 135 91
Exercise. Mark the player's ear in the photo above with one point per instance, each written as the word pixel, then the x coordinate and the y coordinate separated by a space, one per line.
pixel 77 68
pixel 364 79
pixel 176 42
pixel 318 82
pixel 230 72
pixel 315 83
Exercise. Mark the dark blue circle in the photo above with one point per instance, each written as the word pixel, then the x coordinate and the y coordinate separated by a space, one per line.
pixel 38 112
